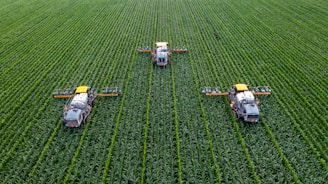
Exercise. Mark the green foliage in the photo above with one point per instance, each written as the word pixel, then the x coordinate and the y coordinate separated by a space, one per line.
pixel 161 129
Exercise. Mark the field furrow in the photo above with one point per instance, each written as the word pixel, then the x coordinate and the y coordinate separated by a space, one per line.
pixel 161 128
pixel 195 164
pixel 245 135
pixel 119 154
pixel 245 58
pixel 214 126
pixel 161 155
pixel 312 127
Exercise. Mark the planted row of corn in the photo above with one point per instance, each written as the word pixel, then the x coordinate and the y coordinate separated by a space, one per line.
pixel 31 101
pixel 89 66
pixel 161 129
pixel 255 71
pixel 113 158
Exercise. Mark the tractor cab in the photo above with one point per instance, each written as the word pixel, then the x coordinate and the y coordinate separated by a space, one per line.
pixel 161 59
pixel 79 106
pixel 161 53
pixel 80 102
pixel 73 118
pixel 242 102
pixel 241 99
pixel 75 110
pixel 251 113
pixel 162 49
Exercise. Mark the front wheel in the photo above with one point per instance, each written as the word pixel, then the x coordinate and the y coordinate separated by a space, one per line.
pixel 93 102
pixel 235 114
pixel 85 120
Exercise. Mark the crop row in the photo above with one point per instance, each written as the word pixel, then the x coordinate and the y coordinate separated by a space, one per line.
pixel 31 97
pixel 26 52
pixel 302 28
pixel 39 122
pixel 73 174
pixel 161 129
pixel 61 136
pixel 118 69
pixel 174 32
pixel 25 82
pixel 201 165
pixel 161 158
pixel 241 70
pixel 245 57
pixel 295 104
pixel 148 35
pixel 16 24
pixel 144 152
pixel 301 69
pixel 124 159
pixel 73 66
pixel 210 77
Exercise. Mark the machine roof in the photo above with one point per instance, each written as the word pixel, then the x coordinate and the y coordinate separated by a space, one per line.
pixel 251 109
pixel 241 87
pixel 82 89
pixel 79 100
pixel 161 44
pixel 73 114
pixel 162 55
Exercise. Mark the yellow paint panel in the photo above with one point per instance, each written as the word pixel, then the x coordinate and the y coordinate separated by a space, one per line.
pixel 241 87
pixel 160 44
pixel 81 89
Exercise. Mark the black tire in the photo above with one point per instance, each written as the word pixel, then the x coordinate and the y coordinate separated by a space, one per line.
pixel 235 114
pixel 85 120
pixel 93 102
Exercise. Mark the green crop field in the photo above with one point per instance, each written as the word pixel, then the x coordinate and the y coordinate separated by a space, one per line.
pixel 162 129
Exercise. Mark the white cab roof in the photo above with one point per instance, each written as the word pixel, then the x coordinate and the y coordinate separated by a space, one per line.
pixel 80 100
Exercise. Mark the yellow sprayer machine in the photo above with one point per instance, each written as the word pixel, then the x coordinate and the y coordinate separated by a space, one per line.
pixel 80 103
pixel 241 99
pixel 161 53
